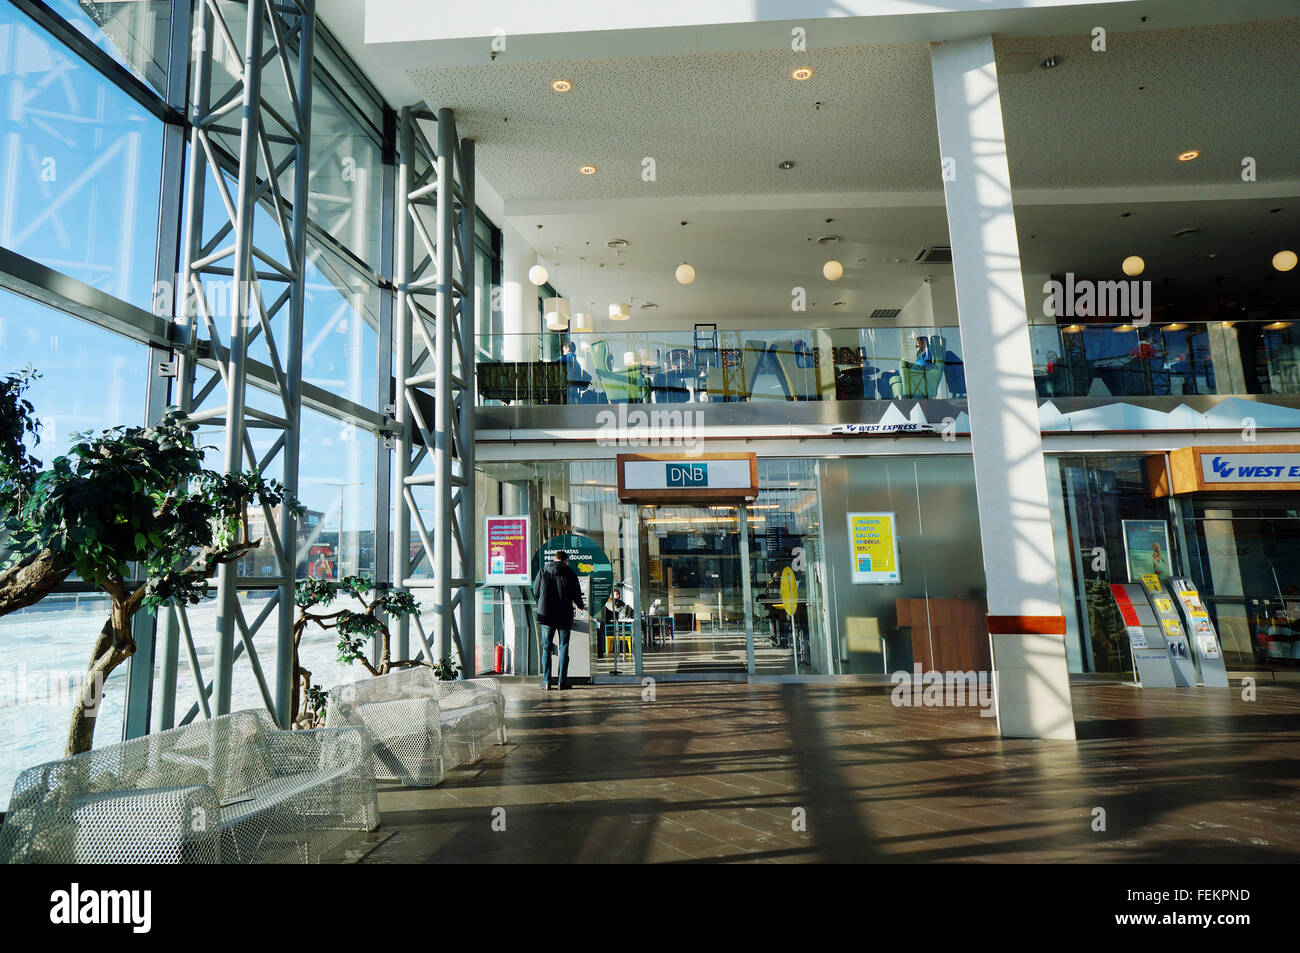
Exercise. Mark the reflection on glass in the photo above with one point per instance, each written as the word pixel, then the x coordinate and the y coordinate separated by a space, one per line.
pixel 90 379
pixel 133 32
pixel 81 165
pixel 46 649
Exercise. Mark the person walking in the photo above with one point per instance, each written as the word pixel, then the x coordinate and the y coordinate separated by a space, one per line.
pixel 557 591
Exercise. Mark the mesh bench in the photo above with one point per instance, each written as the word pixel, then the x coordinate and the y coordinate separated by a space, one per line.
pixel 233 789
pixel 421 727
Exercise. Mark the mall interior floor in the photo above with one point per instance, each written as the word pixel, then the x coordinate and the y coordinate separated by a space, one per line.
pixel 721 772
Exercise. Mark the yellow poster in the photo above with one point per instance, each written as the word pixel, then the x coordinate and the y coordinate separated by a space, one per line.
pixel 873 547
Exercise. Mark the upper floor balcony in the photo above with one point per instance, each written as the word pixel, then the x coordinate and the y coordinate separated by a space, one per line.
pixel 1073 365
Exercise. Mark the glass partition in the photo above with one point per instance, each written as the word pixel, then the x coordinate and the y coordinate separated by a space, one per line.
pixel 709 366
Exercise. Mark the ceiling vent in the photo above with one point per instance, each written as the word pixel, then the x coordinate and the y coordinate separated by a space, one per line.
pixel 886 312
pixel 934 255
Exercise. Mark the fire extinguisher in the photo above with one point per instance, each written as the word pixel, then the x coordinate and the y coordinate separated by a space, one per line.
pixel 500 659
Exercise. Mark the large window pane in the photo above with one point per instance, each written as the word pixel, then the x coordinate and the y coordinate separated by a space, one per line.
pixel 80 165
pixel 133 32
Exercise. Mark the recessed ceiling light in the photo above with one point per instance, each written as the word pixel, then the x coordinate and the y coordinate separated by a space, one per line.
pixel 1189 155
pixel 828 240
pixel 785 164
pixel 648 306
pixel 1187 232
pixel 588 170
pixel 1051 62
pixel 561 85
pixel 616 243
pixel 802 73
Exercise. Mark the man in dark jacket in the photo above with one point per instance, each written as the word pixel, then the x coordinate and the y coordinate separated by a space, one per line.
pixel 557 590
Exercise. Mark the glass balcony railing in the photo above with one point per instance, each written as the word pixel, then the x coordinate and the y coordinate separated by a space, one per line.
pixel 707 366
pixel 1171 359
pixel 723 366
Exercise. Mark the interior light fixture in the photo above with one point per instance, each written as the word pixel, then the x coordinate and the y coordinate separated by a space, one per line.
pixel 1072 329
pixel 1284 260
pixel 802 73
pixel 685 273
pixel 1176 326
pixel 1133 265
pixel 620 311
pixel 1277 326
pixel 833 270
pixel 538 274
pixel 785 164
pixel 557 313
pixel 588 170
pixel 1124 328
pixel 561 85
pixel 1189 155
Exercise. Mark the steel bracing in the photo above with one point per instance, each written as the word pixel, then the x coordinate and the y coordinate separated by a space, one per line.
pixel 434 324
pixel 244 260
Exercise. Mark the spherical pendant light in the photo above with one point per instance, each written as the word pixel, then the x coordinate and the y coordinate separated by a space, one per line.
pixel 1284 260
pixel 1133 266
pixel 538 275
pixel 833 270
pixel 685 274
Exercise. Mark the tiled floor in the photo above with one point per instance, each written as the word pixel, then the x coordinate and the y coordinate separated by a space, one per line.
pixel 716 771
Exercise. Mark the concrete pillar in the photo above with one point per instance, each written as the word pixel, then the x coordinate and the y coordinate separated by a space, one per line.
pixel 518 298
pixel 1026 625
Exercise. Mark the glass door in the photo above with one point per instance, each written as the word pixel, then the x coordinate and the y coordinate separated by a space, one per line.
pixel 692 580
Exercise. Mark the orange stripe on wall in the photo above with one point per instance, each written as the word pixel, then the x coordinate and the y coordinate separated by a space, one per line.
pixel 1027 624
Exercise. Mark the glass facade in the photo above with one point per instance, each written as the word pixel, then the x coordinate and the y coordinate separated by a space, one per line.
pixel 81 183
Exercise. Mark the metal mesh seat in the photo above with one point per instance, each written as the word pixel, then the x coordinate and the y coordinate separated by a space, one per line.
pixel 473 718
pixel 233 789
pixel 421 727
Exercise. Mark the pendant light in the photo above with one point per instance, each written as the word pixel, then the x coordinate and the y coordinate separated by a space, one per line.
pixel 833 270
pixel 538 274
pixel 1133 265
pixel 557 313
pixel 685 272
pixel 1285 259
pixel 620 311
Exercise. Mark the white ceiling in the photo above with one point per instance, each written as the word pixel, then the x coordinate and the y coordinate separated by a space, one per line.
pixel 718 123
pixel 1085 143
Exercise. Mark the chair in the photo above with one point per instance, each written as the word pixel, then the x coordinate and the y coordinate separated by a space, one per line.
pixel 263 796
pixel 625 384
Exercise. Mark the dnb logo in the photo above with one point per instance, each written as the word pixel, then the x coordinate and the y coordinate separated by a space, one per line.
pixel 687 474
pixel 1221 467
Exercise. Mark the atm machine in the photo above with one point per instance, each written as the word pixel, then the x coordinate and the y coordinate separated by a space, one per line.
pixel 1145 636
pixel 1206 650
pixel 1166 612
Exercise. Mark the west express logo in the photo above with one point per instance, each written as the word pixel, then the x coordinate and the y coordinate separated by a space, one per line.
pixel 1220 467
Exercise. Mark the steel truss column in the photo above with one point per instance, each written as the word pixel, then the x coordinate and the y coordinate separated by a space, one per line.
pixel 263 282
pixel 435 352
pixel 146 629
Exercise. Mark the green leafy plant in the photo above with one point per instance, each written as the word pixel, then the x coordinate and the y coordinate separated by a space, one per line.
pixel 447 670
pixel 355 629
pixel 133 512
pixel 25 578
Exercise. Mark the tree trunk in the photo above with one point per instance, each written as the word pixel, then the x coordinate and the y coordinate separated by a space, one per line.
pixel 30 581
pixel 113 647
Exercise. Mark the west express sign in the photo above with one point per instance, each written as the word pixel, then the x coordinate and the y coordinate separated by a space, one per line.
pixel 1224 469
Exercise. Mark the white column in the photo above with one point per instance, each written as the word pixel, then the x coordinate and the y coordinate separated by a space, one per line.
pixel 1026 624
pixel 518 298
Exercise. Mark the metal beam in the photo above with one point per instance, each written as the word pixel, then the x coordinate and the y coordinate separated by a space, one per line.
pixel 435 277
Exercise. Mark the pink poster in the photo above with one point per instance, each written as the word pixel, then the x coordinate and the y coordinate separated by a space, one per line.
pixel 507 551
